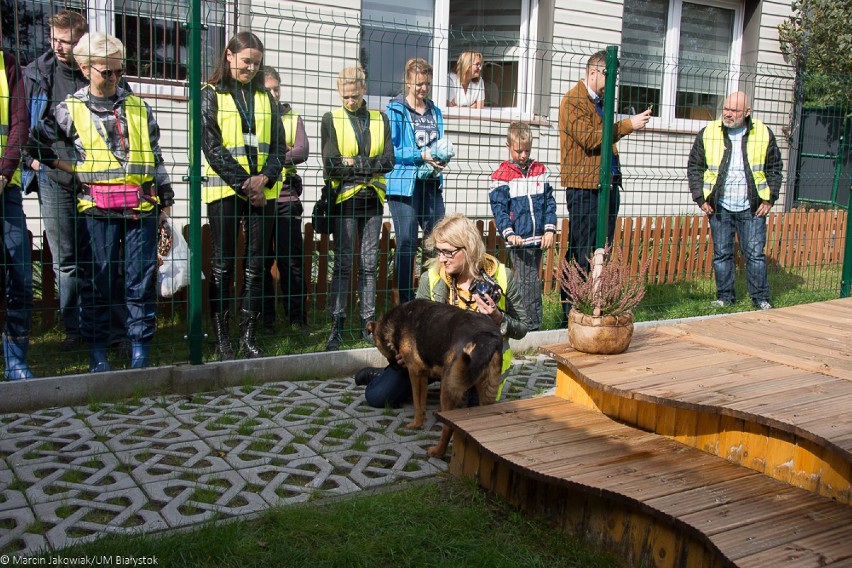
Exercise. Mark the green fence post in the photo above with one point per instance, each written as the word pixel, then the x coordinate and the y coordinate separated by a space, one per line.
pixel 606 145
pixel 846 274
pixel 195 179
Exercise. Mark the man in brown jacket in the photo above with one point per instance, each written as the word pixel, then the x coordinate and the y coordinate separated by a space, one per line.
pixel 580 133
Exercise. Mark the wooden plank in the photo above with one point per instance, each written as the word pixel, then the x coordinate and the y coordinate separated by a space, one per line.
pixel 816 550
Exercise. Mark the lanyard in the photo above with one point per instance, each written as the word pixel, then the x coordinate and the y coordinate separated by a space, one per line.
pixel 124 144
pixel 248 115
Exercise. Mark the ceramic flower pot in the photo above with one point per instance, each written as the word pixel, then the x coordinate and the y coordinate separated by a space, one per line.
pixel 601 335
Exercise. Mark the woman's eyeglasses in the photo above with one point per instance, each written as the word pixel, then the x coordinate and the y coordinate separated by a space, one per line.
pixel 109 73
pixel 448 254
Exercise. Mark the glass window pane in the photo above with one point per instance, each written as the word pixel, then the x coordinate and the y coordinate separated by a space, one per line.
pixel 155 41
pixel 643 43
pixel 493 28
pixel 24 26
pixel 392 32
pixel 706 35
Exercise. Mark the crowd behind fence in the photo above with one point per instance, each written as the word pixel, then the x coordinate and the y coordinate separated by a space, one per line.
pixel 658 219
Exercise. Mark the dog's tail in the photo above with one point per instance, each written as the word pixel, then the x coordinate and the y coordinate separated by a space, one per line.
pixel 474 359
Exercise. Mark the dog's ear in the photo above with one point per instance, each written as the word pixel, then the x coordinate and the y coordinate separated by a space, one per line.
pixel 371 327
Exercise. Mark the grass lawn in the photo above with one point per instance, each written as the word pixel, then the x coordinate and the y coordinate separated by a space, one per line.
pixel 440 523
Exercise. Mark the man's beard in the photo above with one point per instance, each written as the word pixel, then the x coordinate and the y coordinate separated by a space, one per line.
pixel 736 123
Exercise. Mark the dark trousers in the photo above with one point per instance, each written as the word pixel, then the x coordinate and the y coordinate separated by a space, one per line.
pixel 225 217
pixel 288 255
pixel 583 218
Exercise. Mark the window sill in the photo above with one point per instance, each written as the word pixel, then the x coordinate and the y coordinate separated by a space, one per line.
pixel 458 118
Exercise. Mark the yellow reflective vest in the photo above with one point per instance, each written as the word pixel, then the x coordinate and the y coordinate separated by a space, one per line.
pixel 757 146
pixel 5 96
pixel 100 165
pixel 347 145
pixel 290 121
pixel 502 278
pixel 231 125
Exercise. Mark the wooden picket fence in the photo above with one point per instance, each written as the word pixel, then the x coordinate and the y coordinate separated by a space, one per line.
pixel 679 249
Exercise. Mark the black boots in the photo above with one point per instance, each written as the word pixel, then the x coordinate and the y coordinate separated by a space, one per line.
pixel 335 338
pixel 248 334
pixel 224 351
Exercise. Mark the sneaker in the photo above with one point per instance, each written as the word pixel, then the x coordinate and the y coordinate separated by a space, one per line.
pixel 366 375
pixel 720 303
pixel 763 305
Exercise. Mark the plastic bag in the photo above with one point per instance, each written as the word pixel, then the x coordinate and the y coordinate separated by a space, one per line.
pixel 442 151
pixel 173 255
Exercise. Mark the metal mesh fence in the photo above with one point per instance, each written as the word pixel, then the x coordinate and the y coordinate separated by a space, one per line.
pixel 523 76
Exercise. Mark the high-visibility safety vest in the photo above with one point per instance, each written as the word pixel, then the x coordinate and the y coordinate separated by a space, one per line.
pixel 347 145
pixel 290 121
pixel 5 97
pixel 231 125
pixel 101 166
pixel 757 145
pixel 502 279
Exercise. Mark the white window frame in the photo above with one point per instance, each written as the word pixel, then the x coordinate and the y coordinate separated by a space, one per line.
pixel 668 89
pixel 104 21
pixel 528 46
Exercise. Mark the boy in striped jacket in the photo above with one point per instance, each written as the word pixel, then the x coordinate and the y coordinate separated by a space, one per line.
pixel 525 213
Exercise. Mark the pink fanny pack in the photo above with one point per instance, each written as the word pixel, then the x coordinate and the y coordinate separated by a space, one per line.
pixel 122 196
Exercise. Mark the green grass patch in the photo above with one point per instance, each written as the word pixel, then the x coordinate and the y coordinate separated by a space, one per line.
pixel 445 524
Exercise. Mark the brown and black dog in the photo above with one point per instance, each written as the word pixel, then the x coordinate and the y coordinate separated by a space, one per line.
pixel 461 348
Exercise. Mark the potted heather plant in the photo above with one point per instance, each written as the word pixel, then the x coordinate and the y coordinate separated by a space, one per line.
pixel 602 300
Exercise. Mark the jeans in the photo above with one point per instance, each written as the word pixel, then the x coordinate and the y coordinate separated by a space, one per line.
pixel 225 217
pixel 109 238
pixel 525 264
pixel 288 255
pixel 18 266
pixel 391 388
pixel 751 232
pixel 345 230
pixel 583 217
pixel 58 216
pixel 425 207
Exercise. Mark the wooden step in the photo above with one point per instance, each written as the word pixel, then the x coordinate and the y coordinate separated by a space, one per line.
pixel 645 496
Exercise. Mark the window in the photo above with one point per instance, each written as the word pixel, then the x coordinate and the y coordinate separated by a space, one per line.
pixel 393 31
pixel 154 39
pixel 679 56
pixel 24 26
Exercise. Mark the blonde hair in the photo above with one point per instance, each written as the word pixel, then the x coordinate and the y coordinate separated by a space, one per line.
pixel 461 232
pixel 415 66
pixel 351 76
pixel 98 46
pixel 464 66
pixel 519 132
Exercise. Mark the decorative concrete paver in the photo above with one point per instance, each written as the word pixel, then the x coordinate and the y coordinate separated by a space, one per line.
pixel 71 474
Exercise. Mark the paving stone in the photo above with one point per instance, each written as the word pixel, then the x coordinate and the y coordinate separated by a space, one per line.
pixel 84 477
pixel 161 462
pixel 384 465
pixel 136 434
pixel 10 498
pixel 82 520
pixel 222 494
pixel 275 446
pixel 206 422
pixel 15 536
pixel 299 481
pixel 221 400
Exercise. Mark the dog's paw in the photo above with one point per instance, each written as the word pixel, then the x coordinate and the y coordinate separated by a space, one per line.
pixel 436 451
pixel 416 425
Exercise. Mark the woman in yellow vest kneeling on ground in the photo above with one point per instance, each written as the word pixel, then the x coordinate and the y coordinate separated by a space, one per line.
pixel 124 190
pixel 450 276
pixel 356 153
pixel 243 143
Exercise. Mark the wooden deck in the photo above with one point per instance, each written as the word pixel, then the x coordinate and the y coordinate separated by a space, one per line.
pixel 732 446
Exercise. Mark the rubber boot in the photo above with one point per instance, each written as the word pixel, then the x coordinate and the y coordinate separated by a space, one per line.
pixel 224 351
pixel 335 338
pixel 139 357
pixel 97 358
pixel 15 352
pixel 248 334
